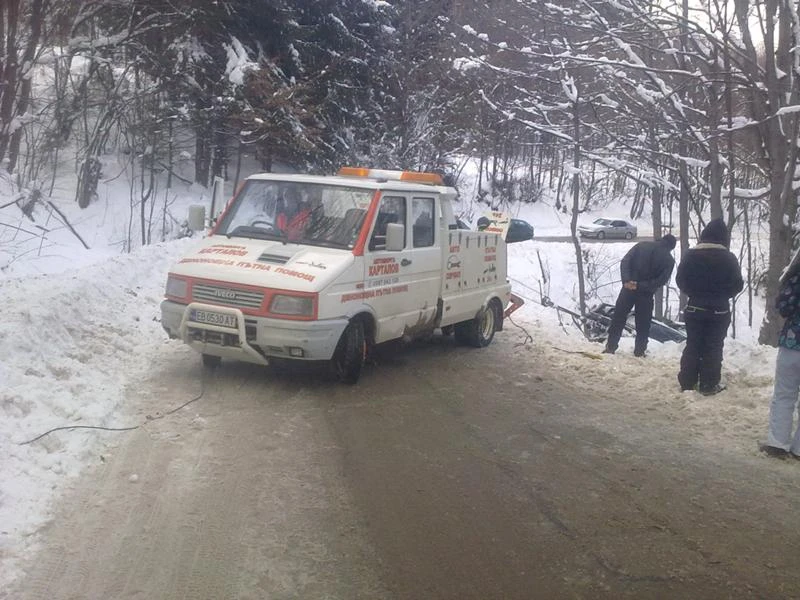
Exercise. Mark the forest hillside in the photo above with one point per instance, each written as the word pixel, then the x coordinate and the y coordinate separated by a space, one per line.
pixel 683 112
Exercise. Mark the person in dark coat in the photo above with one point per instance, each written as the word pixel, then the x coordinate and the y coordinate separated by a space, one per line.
pixel 710 276
pixel 644 269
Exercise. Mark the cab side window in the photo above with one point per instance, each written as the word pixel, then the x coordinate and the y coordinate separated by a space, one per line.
pixel 392 210
pixel 422 217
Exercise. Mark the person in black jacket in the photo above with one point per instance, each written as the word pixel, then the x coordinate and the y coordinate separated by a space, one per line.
pixel 710 276
pixel 644 269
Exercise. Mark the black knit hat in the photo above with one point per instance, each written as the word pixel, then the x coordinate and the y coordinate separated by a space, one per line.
pixel 669 241
pixel 715 233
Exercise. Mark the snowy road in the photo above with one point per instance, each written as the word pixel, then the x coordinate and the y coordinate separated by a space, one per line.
pixel 446 473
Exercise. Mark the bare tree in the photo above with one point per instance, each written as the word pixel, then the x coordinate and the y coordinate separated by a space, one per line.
pixel 21 26
pixel 773 100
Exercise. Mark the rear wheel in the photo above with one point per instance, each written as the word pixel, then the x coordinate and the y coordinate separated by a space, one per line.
pixel 478 332
pixel 629 235
pixel 348 360
pixel 211 362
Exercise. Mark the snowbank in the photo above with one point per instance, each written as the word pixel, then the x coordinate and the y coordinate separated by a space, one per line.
pixel 70 343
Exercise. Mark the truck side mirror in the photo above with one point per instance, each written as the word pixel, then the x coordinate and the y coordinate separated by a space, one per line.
pixel 217 196
pixel 395 237
pixel 197 217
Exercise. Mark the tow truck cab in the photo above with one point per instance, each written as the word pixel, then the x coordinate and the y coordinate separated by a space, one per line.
pixel 316 268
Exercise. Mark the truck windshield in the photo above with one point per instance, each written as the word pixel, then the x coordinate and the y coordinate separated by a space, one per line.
pixel 303 213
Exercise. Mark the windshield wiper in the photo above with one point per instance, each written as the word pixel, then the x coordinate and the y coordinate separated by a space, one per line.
pixel 324 243
pixel 253 232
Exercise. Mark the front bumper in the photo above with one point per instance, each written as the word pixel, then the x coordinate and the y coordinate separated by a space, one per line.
pixel 254 339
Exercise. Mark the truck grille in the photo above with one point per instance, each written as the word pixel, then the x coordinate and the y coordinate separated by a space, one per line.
pixel 227 296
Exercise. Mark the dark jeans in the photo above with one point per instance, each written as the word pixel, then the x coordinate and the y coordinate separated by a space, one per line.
pixel 643 304
pixel 701 362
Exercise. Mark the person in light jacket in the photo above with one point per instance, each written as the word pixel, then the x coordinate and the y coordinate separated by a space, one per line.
pixel 780 442
pixel 710 275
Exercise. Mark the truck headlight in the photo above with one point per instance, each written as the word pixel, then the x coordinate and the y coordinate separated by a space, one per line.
pixel 295 306
pixel 177 287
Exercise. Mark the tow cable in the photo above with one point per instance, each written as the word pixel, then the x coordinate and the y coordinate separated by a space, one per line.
pixel 148 418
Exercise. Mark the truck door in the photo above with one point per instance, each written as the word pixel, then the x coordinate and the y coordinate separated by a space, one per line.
pixel 425 256
pixel 403 287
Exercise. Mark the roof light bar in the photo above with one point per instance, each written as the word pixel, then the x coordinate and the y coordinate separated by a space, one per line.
pixel 410 176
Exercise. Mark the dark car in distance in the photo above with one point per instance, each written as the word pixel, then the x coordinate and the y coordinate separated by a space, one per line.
pixel 519 230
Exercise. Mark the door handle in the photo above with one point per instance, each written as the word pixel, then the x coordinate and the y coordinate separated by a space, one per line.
pixel 405 262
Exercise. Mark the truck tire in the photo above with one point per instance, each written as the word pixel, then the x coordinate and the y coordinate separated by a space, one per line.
pixel 211 362
pixel 348 359
pixel 478 332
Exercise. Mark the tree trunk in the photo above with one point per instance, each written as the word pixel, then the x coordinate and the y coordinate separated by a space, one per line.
pixel 238 165
pixel 170 168
pixel 25 89
pixel 9 74
pixel 783 211
pixel 683 220
pixel 656 216
pixel 202 156
pixel 88 180
pixel 219 160
pixel 576 198
pixel 715 181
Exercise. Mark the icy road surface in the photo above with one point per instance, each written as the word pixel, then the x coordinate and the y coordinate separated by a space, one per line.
pixel 446 473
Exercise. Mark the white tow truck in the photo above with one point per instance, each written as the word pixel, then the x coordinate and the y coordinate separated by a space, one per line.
pixel 322 268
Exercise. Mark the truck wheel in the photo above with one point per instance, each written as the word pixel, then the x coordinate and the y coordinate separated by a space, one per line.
pixel 211 362
pixel 478 332
pixel 349 357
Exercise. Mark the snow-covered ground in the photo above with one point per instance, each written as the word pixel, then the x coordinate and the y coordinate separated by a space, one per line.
pixel 70 343
pixel 80 325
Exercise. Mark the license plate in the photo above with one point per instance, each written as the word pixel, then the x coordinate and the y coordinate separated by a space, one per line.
pixel 213 318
